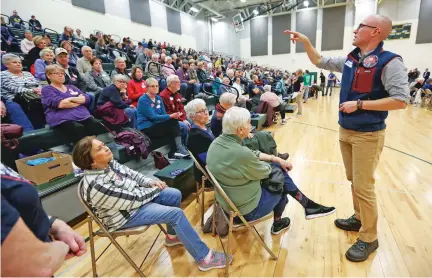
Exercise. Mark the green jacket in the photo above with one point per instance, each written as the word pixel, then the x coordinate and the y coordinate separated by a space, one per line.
pixel 238 170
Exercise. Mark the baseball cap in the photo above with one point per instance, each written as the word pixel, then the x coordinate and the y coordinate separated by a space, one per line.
pixel 59 51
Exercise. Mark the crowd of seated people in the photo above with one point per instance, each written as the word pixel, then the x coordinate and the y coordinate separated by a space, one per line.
pixel 76 94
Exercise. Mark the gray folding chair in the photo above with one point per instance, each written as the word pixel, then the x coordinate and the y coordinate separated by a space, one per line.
pixel 103 232
pixel 245 225
pixel 200 189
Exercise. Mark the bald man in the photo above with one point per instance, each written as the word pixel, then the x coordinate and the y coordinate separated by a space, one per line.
pixel 373 82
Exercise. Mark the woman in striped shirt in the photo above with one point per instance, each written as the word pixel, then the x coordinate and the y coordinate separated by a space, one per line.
pixel 123 198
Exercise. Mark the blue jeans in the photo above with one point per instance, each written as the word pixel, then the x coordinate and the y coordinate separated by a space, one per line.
pixel 91 106
pixel 270 201
pixel 184 131
pixel 131 113
pixel 306 92
pixel 165 209
pixel 17 115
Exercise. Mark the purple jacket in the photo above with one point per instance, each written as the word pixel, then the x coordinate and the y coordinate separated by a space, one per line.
pixel 39 67
pixel 51 98
pixel 182 75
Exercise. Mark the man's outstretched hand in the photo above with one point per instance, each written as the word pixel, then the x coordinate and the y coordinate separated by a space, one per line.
pixel 296 36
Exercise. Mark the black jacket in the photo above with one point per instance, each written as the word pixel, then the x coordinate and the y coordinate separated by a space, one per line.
pixel 75 79
pixel 198 143
pixel 202 75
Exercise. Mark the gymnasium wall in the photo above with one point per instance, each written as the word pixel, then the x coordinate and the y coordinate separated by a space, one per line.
pixel 327 36
pixel 117 19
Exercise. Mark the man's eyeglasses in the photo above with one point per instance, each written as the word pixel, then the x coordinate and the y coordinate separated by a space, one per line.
pixel 361 25
pixel 202 111
pixel 153 86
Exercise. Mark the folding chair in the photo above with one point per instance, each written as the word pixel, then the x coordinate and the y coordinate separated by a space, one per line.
pixel 103 232
pixel 245 225
pixel 200 190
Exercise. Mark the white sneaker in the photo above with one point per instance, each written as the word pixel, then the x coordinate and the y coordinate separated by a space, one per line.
pixel 283 122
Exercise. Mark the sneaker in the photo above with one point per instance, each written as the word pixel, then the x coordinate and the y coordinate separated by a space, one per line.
pixel 361 250
pixel 284 156
pixel 170 242
pixel 283 122
pixel 181 153
pixel 281 225
pixel 318 211
pixel 350 224
pixel 299 114
pixel 218 260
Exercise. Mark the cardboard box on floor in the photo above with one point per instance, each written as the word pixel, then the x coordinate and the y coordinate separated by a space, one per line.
pixel 46 172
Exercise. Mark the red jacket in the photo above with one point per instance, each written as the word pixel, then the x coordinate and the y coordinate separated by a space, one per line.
pixel 135 90
pixel 173 103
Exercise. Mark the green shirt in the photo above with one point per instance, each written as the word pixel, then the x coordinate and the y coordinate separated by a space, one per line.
pixel 238 170
pixel 307 78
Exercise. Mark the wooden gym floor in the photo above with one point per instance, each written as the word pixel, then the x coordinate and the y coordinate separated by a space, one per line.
pixel 313 247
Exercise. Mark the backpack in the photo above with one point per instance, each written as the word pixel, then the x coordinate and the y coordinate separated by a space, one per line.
pixel 135 142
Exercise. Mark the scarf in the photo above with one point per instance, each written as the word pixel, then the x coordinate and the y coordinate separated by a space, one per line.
pixel 220 109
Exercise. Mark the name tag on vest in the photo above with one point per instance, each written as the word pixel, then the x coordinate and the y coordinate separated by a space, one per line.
pixel 348 63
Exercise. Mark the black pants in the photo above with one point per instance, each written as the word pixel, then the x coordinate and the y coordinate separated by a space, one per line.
pixel 168 129
pixel 77 130
pixel 281 108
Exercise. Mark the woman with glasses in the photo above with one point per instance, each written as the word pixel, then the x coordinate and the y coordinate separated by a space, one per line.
pixel 66 106
pixel 118 96
pixel 154 121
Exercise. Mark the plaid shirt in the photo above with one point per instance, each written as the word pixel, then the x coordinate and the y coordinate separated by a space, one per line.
pixel 13 84
pixel 116 193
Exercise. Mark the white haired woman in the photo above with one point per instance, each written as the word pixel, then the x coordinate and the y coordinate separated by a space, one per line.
pixel 226 88
pixel 120 68
pixel 274 101
pixel 154 121
pixel 226 101
pixel 116 93
pixel 240 171
pixel 14 84
pixel 46 58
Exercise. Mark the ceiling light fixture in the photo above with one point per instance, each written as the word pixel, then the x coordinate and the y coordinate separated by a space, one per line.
pixel 306 3
pixel 255 12
pixel 194 9
pixel 214 19
pixel 243 1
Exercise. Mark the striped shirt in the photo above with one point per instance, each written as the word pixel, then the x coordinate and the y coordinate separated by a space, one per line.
pixel 13 84
pixel 116 193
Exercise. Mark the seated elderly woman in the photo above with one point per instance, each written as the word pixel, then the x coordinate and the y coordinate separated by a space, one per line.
pixel 242 101
pixel 120 68
pixel 156 123
pixel 155 71
pixel 137 85
pixel 46 58
pixel 96 79
pixel 117 95
pixel 241 172
pixel 15 83
pixel 11 112
pixel 274 101
pixel 123 198
pixel 66 107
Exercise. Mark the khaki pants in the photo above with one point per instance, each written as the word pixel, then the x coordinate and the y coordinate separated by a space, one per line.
pixel 299 99
pixel 360 153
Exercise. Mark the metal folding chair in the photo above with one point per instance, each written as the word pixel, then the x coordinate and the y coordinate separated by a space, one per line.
pixel 200 189
pixel 245 225
pixel 103 232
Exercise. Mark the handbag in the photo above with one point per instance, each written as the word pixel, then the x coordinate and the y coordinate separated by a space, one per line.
pixel 9 135
pixel 160 160
pixel 275 182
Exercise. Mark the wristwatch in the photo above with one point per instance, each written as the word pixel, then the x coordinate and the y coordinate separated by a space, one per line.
pixel 359 104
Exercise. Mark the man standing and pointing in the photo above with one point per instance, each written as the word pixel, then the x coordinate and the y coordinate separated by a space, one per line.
pixel 373 82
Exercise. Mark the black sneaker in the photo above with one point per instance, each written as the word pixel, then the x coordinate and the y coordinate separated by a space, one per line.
pixel 284 156
pixel 281 225
pixel 318 211
pixel 361 250
pixel 350 224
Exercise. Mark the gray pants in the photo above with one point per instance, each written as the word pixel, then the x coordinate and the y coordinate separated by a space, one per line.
pixel 306 93
pixel 329 86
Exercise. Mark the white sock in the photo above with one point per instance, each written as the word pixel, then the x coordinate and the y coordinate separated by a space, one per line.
pixel 207 258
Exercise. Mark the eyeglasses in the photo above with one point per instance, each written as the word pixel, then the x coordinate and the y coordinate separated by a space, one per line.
pixel 153 86
pixel 121 81
pixel 202 111
pixel 364 25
